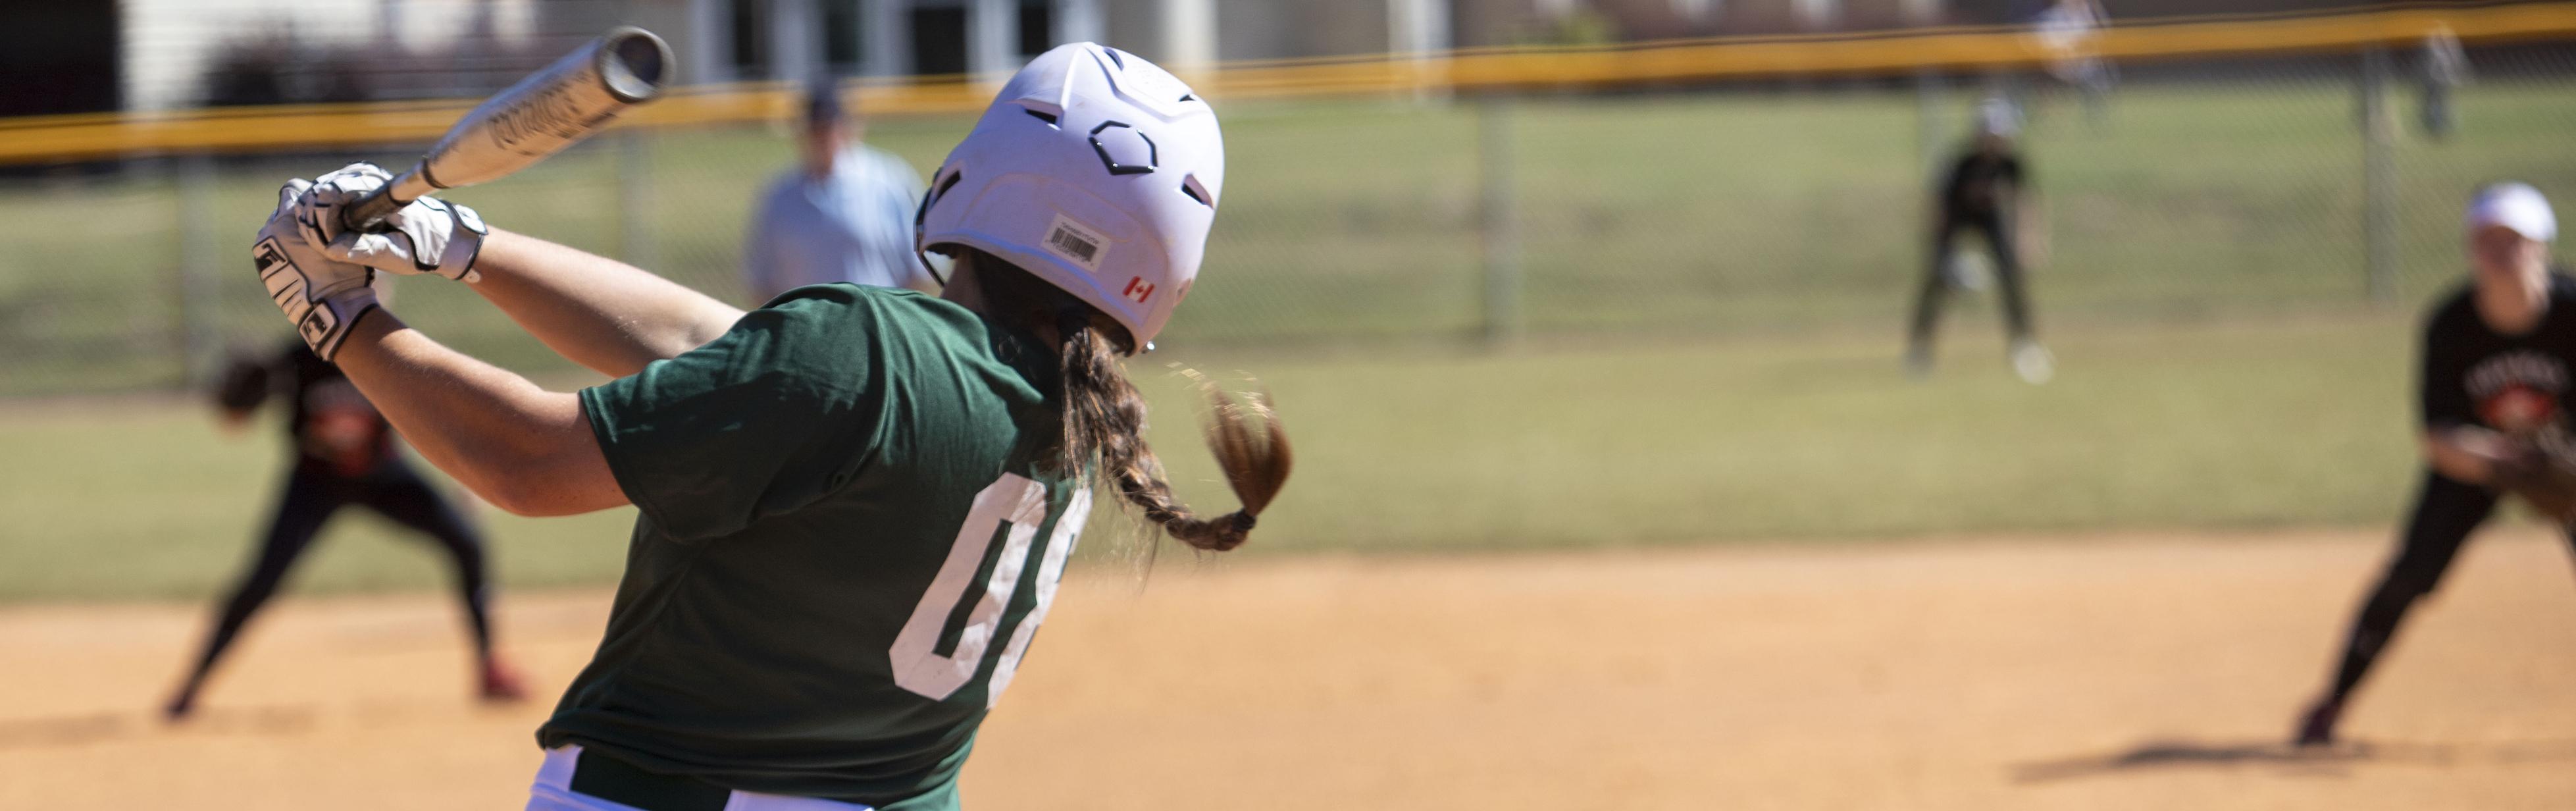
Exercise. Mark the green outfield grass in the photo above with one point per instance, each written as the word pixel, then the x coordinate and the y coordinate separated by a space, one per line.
pixel 2298 422
pixel 1355 223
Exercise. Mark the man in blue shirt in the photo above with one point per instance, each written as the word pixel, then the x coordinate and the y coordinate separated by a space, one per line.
pixel 843 215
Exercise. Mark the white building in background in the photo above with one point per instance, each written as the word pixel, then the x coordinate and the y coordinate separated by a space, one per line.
pixel 463 47
pixel 742 39
pixel 170 44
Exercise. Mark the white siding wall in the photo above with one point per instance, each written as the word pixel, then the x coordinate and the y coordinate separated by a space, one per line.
pixel 169 44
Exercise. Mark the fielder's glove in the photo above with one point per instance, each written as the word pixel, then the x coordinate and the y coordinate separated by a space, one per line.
pixel 428 236
pixel 244 385
pixel 322 296
pixel 2540 478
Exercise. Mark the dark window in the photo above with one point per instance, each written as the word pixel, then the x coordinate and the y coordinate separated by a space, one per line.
pixel 750 51
pixel 841 48
pixel 1037 29
pixel 58 58
pixel 939 40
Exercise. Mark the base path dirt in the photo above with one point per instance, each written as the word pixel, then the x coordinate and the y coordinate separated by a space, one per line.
pixel 2107 673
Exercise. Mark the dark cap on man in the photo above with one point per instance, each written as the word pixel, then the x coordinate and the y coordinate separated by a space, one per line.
pixel 822 103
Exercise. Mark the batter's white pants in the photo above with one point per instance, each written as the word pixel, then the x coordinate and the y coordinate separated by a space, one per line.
pixel 553 792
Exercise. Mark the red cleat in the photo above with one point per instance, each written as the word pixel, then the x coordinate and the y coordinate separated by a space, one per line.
pixel 501 683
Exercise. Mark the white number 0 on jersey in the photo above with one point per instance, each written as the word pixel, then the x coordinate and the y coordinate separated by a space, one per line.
pixel 1022 503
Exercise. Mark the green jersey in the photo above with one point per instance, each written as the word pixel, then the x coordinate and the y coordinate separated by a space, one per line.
pixel 845 546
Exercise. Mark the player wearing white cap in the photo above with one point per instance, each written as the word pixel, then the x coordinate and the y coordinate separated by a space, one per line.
pixel 856 501
pixel 2497 359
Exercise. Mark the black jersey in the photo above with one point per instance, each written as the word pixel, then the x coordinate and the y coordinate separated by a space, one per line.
pixel 331 424
pixel 1977 184
pixel 2516 384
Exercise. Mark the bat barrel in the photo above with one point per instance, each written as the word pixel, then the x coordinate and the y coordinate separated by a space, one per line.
pixel 570 100
pixel 635 63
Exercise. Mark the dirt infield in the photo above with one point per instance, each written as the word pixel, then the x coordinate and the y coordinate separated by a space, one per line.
pixel 2116 673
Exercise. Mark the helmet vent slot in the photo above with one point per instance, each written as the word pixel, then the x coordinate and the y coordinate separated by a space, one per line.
pixel 1190 186
pixel 1049 118
pixel 1114 57
pixel 922 215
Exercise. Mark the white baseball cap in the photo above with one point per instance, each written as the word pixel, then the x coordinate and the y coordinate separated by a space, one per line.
pixel 1996 116
pixel 2514 205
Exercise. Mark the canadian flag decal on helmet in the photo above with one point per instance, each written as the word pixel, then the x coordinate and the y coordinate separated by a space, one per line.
pixel 1138 290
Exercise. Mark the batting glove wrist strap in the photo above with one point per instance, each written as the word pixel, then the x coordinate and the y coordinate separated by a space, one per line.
pixel 321 296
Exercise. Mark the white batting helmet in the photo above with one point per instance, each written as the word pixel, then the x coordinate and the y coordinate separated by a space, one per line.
pixel 1094 170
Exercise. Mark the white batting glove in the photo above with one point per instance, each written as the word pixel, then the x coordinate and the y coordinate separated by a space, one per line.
pixel 322 296
pixel 428 236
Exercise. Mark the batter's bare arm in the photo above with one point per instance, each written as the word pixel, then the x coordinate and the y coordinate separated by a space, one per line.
pixel 520 447
pixel 595 311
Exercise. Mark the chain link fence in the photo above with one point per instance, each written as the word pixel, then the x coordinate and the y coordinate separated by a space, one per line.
pixel 2190 192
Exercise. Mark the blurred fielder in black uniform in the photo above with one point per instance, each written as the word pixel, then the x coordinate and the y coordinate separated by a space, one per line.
pixel 1985 193
pixel 344 454
pixel 2496 364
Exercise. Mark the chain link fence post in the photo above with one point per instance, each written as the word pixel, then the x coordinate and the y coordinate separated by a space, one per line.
pixel 1928 127
pixel 2378 179
pixel 1930 95
pixel 634 194
pixel 1498 218
pixel 633 188
pixel 198 336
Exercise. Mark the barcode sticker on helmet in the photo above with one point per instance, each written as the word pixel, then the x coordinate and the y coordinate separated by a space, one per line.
pixel 1076 243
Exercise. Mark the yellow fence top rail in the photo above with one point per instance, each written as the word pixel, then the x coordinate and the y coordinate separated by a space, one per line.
pixel 97 135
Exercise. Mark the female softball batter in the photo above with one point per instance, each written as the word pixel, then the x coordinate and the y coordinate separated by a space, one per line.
pixel 856 502
pixel 2496 363
pixel 344 455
